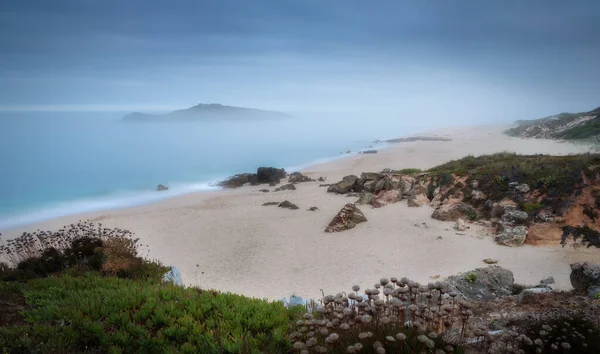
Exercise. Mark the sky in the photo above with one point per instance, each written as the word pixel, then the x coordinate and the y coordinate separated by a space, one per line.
pixel 461 60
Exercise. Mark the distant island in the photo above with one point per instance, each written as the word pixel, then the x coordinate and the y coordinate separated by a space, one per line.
pixel 567 126
pixel 203 112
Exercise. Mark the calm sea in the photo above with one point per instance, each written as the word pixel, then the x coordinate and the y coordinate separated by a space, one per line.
pixel 56 164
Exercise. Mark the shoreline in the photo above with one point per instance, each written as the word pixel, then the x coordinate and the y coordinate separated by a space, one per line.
pixel 226 240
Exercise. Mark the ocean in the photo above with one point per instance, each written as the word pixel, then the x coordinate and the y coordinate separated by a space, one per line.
pixel 55 164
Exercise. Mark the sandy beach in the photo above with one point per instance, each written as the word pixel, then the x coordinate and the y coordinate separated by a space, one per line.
pixel 226 240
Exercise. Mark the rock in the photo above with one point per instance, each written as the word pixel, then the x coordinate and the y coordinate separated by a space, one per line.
pixel 549 280
pixel 161 188
pixel 512 236
pixel 297 177
pixel 515 217
pixel 484 223
pixel 585 278
pixel 460 225
pixel 475 184
pixel 384 184
pixel 522 188
pixel 325 185
pixel 264 190
pixel 270 174
pixel 453 211
pixel 270 203
pixel 347 218
pixel 365 198
pixel 343 186
pixel 235 181
pixel 477 195
pixel 513 184
pixel 289 187
pixel 386 197
pixel 529 295
pixel 314 208
pixel 386 170
pixel 418 200
pixel 485 284
pixel 288 205
pixel 173 276
pixel 369 152
pixel 253 179
pixel 490 261
pixel 369 185
pixel 370 176
pixel 352 195
pixel 321 179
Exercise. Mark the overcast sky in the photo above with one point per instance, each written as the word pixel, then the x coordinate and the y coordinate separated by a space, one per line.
pixel 486 60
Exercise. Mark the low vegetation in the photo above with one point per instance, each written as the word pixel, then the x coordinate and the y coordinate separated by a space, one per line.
pixel 409 171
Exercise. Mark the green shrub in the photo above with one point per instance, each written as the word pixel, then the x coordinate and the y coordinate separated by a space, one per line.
pixel 409 171
pixel 597 296
pixel 471 278
pixel 531 207
pixel 108 314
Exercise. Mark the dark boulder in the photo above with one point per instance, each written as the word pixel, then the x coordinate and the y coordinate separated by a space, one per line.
pixel 253 179
pixel 384 184
pixel 270 203
pixel 161 188
pixel 270 174
pixel 314 208
pixel 264 190
pixel 297 177
pixel 288 205
pixel 321 179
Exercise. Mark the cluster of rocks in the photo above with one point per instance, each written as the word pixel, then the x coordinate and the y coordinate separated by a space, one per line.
pixel 263 175
pixel 585 278
pixel 288 205
pixel 512 229
pixel 375 189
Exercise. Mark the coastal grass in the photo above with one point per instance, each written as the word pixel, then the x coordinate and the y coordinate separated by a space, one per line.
pixel 94 313
pixel 409 171
pixel 555 176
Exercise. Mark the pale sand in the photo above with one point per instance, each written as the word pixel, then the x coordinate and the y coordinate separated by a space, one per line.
pixel 227 241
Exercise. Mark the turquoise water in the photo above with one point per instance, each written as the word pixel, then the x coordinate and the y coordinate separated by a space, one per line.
pixel 56 164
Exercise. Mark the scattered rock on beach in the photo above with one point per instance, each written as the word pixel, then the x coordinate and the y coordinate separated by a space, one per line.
pixel 512 236
pixel 288 205
pixel 289 187
pixel 369 152
pixel 236 181
pixel 264 190
pixel 297 177
pixel 460 225
pixel 321 179
pixel 585 278
pixel 325 185
pixel 485 284
pixel 490 261
pixel 314 208
pixel 161 187
pixel 346 219
pixel 270 203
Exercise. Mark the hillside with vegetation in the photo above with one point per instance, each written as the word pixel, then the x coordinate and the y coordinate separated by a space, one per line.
pixel 567 126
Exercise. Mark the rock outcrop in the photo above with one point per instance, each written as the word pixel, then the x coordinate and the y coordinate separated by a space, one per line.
pixel 386 197
pixel 236 180
pixel 288 205
pixel 297 177
pixel 365 198
pixel 161 188
pixel 346 185
pixel 453 211
pixel 269 175
pixel 484 284
pixel 585 278
pixel 418 200
pixel 346 219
